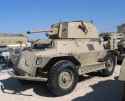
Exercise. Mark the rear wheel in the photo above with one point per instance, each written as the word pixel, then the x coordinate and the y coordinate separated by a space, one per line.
pixel 63 78
pixel 109 66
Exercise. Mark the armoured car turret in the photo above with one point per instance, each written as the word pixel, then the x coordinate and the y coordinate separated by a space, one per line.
pixel 72 49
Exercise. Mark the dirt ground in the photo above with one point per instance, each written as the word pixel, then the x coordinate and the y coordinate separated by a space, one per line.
pixel 90 88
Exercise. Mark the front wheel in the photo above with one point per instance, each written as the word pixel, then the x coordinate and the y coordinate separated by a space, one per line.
pixel 63 78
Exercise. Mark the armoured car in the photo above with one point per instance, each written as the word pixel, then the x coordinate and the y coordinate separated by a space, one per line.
pixel 72 49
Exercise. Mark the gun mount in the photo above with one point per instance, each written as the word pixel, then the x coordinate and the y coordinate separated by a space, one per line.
pixel 74 29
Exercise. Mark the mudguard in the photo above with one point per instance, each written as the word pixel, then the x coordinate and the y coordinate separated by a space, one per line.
pixel 27 62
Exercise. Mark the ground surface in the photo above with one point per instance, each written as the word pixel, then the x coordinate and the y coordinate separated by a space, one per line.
pixel 89 88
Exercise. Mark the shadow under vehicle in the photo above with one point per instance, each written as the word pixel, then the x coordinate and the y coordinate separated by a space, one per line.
pixel 72 49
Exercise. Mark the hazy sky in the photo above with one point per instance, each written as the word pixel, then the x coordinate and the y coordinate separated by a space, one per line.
pixel 23 15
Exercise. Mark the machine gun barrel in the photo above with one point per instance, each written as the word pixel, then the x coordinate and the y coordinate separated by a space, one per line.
pixel 38 31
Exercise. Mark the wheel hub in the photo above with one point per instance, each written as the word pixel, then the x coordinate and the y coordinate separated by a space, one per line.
pixel 65 79
pixel 109 65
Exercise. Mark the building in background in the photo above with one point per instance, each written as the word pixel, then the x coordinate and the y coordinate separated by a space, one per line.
pixel 13 40
pixel 121 28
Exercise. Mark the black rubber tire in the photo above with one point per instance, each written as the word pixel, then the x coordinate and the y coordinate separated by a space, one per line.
pixel 25 82
pixel 120 60
pixel 54 72
pixel 107 71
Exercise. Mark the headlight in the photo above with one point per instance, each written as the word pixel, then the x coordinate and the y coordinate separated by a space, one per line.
pixel 39 61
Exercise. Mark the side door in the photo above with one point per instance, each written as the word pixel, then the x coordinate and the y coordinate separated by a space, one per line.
pixel 90 49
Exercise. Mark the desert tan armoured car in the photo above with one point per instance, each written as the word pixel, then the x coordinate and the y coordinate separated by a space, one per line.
pixel 72 49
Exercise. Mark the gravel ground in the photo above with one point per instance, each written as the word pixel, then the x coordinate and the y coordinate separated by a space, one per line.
pixel 89 88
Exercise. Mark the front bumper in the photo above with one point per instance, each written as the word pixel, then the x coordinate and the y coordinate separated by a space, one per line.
pixel 12 74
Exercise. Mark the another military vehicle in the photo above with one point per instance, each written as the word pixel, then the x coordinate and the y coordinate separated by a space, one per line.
pixel 4 56
pixel 115 41
pixel 72 49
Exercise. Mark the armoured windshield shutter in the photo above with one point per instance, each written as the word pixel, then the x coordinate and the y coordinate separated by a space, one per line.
pixel 64 30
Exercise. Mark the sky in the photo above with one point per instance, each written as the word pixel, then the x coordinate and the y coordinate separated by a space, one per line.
pixel 18 16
